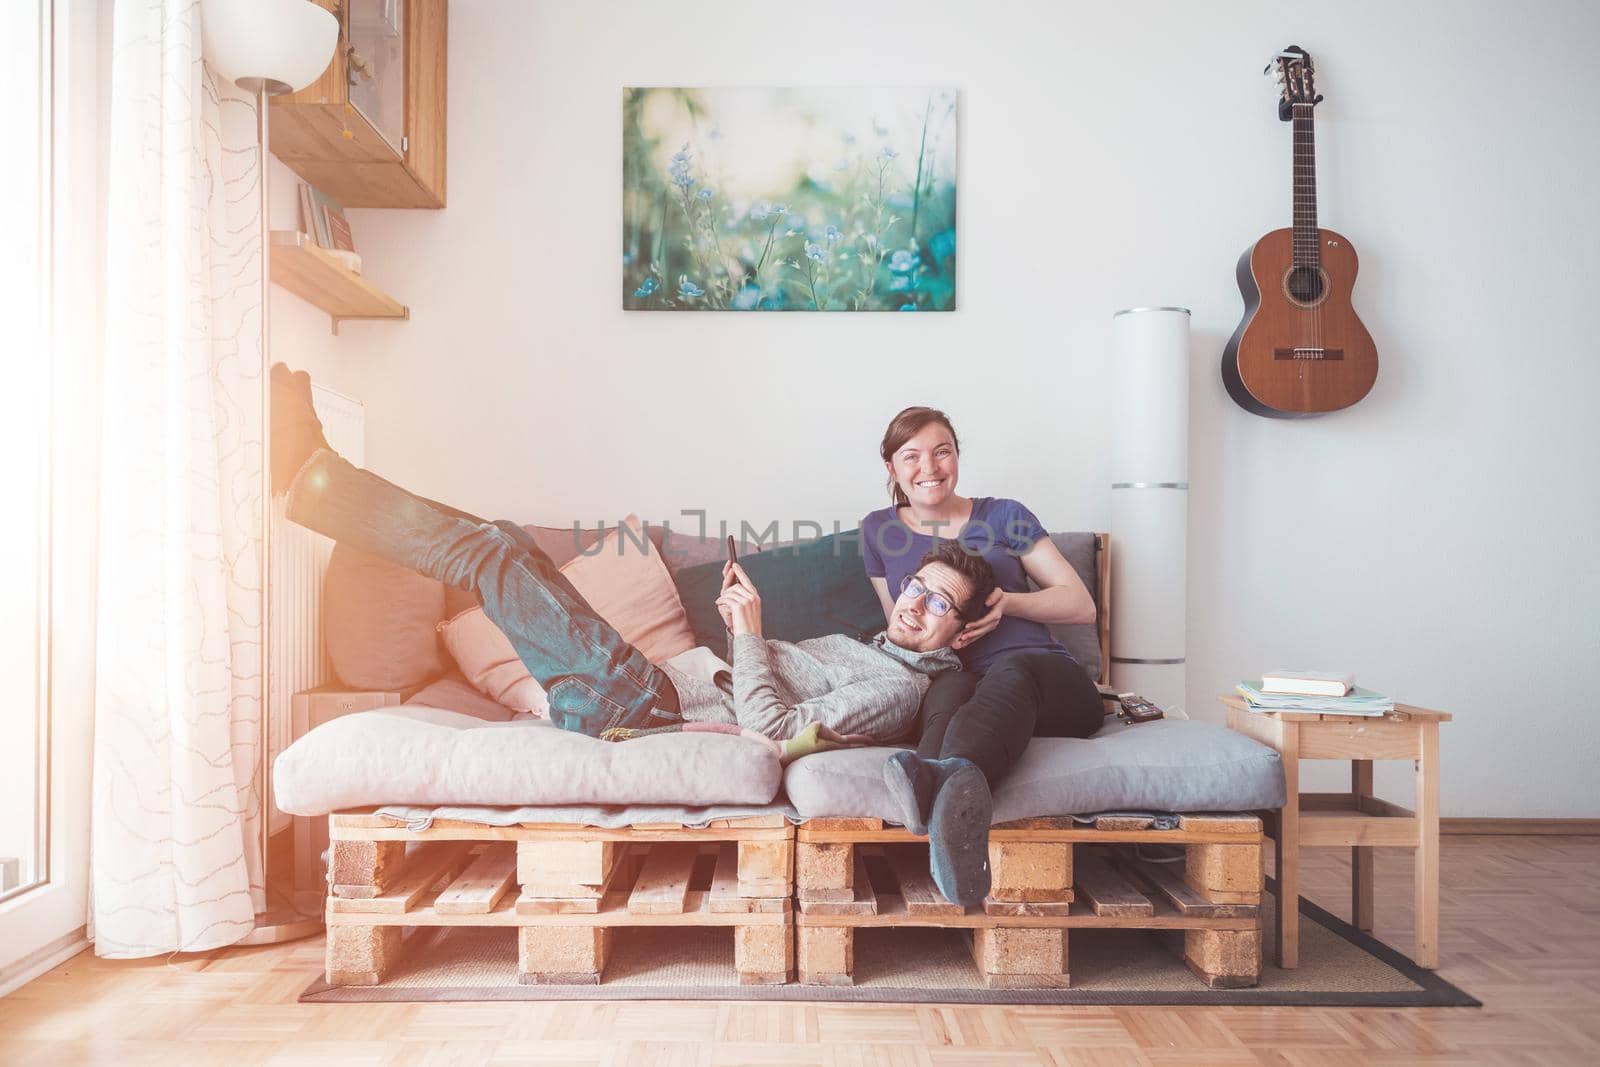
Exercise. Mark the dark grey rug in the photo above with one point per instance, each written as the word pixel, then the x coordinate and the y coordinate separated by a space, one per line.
pixel 1340 966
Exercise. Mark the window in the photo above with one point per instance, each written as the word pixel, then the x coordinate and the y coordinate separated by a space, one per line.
pixel 25 303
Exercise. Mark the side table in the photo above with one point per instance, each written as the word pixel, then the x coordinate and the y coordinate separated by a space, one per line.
pixel 1356 819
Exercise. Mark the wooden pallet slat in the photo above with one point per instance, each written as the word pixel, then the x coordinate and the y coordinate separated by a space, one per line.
pixel 663 881
pixel 921 896
pixel 1235 822
pixel 1185 900
pixel 480 887
pixel 1107 891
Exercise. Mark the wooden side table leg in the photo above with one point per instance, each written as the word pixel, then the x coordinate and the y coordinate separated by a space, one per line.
pixel 1361 855
pixel 1427 857
pixel 1287 845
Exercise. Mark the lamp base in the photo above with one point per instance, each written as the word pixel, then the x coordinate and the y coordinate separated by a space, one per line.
pixel 264 86
pixel 283 923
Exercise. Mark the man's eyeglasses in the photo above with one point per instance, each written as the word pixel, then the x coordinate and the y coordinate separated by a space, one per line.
pixel 937 603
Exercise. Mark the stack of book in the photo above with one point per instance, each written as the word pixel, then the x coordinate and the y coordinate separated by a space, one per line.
pixel 1315 692
pixel 323 220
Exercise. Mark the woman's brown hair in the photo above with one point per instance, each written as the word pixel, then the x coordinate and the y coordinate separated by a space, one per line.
pixel 902 428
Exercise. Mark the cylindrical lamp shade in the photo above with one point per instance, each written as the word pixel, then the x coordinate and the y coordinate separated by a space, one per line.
pixel 1150 503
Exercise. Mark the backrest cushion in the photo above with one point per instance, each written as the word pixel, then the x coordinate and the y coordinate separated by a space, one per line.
pixel 486 657
pixel 1082 639
pixel 562 544
pixel 808 589
pixel 379 622
pixel 631 589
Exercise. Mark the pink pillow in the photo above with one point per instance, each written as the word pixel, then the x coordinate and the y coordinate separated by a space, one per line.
pixel 632 590
pixel 628 588
pixel 486 657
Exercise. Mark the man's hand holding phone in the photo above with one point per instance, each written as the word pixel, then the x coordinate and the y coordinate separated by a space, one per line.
pixel 739 604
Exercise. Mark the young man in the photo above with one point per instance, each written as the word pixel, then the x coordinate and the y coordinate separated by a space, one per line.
pixel 598 684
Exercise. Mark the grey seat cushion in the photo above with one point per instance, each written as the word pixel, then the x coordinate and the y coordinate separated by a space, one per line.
pixel 430 756
pixel 1170 765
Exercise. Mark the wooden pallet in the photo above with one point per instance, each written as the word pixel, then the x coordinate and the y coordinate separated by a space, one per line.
pixel 1049 876
pixel 565 888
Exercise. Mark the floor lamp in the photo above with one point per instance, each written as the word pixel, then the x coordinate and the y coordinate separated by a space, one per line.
pixel 269 47
pixel 1150 503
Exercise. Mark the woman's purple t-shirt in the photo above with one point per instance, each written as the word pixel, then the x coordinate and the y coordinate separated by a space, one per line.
pixel 1000 530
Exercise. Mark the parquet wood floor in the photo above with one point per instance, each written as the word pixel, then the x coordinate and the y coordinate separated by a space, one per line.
pixel 1520 930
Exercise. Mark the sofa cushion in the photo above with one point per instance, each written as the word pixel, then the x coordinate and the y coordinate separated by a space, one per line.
pixel 1082 639
pixel 488 661
pixel 413 754
pixel 454 692
pixel 1169 765
pixel 379 620
pixel 630 588
pixel 808 589
pixel 562 544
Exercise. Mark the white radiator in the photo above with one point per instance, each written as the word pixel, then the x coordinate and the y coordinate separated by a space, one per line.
pixel 297 656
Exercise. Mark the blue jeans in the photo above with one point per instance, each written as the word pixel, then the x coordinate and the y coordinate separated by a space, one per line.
pixel 594 680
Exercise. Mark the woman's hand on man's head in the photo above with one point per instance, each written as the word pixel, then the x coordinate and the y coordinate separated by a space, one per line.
pixel 980 627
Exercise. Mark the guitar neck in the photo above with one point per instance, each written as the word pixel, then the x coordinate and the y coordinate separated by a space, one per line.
pixel 1306 251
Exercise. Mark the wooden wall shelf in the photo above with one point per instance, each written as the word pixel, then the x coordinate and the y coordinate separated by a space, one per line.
pixel 317 277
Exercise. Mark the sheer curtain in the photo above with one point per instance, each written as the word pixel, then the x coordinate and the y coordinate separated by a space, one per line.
pixel 175 865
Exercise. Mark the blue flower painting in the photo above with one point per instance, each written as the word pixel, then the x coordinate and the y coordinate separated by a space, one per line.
pixel 789 199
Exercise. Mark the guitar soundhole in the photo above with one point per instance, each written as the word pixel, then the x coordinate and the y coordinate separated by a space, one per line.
pixel 1306 286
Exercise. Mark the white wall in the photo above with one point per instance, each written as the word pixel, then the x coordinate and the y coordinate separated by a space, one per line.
pixel 1435 538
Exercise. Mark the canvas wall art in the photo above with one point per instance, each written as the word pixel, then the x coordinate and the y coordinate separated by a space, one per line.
pixel 752 199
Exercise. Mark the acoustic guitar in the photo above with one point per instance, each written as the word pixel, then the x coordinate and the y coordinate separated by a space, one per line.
pixel 1300 349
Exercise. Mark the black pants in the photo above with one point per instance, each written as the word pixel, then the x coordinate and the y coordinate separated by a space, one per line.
pixel 990 718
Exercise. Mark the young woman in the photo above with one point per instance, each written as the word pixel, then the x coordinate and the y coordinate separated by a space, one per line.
pixel 1019 682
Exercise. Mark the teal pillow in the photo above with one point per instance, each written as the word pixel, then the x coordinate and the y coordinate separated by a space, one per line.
pixel 808 589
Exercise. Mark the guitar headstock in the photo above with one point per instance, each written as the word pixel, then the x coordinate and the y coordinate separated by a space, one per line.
pixel 1296 80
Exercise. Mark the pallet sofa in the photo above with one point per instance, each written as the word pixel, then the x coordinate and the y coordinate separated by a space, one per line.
pixel 448 811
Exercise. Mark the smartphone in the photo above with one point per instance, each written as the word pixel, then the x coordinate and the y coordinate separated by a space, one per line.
pixel 733 557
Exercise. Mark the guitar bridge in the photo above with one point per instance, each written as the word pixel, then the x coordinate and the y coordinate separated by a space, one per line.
pixel 1308 352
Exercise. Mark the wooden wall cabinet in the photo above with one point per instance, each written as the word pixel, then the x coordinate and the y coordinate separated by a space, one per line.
pixel 394 153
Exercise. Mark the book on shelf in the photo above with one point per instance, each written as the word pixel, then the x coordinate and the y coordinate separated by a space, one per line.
pixel 323 220
pixel 1357 702
pixel 1308 683
pixel 338 228
pixel 311 222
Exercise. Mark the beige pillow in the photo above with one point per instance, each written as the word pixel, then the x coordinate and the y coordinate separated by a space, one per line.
pixel 486 657
pixel 629 589
pixel 632 590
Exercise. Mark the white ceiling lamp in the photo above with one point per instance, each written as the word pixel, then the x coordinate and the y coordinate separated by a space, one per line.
pixel 269 48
